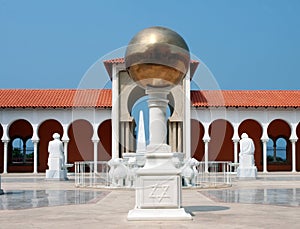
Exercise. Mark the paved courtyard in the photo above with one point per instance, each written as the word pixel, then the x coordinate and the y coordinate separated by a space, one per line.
pixel 29 201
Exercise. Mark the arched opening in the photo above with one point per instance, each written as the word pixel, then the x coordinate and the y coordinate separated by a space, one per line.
pixel 254 131
pixel 220 146
pixel 104 145
pixel 80 147
pixel 279 132
pixel 1 150
pixel 298 148
pixel 45 132
pixel 197 144
pixel 20 150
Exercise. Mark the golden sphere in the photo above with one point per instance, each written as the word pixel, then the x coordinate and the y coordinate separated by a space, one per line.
pixel 157 57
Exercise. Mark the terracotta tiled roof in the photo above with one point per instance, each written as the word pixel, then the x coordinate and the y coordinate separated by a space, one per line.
pixel 54 98
pixel 243 98
pixel 68 98
pixel 108 65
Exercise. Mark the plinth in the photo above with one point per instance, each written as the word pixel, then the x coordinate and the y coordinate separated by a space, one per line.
pixel 247 169
pixel 56 172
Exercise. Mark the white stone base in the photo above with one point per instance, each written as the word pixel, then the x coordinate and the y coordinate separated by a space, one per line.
pixel 249 172
pixel 158 190
pixel 56 174
pixel 158 214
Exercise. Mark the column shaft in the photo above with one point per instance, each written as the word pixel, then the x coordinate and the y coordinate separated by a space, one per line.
pixel 5 157
pixel 35 157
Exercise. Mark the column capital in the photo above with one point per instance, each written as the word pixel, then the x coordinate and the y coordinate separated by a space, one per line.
pixel 95 140
pixel 207 139
pixel 235 140
pixel 35 140
pixel 293 139
pixel 264 139
pixel 65 139
pixel 5 140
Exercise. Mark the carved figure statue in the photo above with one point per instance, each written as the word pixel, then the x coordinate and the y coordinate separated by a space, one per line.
pixel 117 172
pixel 131 172
pixel 189 172
pixel 56 160
pixel 247 168
pixel 246 151
pixel 56 150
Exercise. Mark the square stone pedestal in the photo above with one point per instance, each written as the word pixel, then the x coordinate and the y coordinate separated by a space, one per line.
pixel 158 193
pixel 247 172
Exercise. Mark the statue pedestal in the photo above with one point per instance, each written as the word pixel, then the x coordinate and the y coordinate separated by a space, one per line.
pixel 158 191
pixel 247 168
pixel 55 172
pixel 250 172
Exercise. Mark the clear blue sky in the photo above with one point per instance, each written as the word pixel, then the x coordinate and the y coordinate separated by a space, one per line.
pixel 247 44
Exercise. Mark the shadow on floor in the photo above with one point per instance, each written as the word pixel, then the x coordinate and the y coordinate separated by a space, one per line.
pixel 191 209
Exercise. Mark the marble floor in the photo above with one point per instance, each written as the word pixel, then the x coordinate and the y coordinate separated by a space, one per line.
pixel 280 196
pixel 29 201
pixel 25 199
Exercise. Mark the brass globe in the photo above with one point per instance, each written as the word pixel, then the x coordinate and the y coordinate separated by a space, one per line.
pixel 157 57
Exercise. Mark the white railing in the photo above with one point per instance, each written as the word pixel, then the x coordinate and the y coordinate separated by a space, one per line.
pixel 91 174
pixel 214 174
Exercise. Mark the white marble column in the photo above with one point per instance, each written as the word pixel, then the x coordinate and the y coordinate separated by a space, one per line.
pixel 235 145
pixel 206 142
pixel 95 142
pixel 35 156
pixel 65 139
pixel 235 139
pixel 5 142
pixel 115 122
pixel 35 139
pixel 157 104
pixel 65 142
pixel 265 163
pixel 293 141
pixel 187 116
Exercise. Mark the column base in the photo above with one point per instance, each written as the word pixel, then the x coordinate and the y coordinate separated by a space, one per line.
pixel 158 214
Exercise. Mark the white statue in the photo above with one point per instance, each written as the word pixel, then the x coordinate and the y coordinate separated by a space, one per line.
pixel 56 160
pixel 131 172
pixel 247 166
pixel 117 172
pixel 189 172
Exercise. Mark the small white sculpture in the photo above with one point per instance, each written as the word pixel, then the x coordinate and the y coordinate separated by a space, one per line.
pixel 189 172
pixel 117 172
pixel 56 160
pixel 247 168
pixel 131 172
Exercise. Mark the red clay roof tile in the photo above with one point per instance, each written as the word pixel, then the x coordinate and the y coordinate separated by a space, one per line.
pixel 68 98
pixel 244 98
pixel 55 98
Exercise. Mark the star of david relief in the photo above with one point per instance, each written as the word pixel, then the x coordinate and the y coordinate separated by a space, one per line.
pixel 159 192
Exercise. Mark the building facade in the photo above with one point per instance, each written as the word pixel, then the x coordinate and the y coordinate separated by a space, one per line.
pixel 96 125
